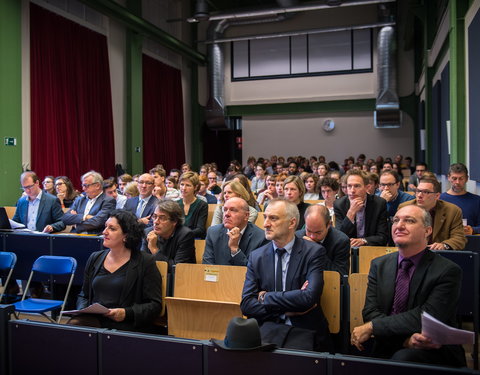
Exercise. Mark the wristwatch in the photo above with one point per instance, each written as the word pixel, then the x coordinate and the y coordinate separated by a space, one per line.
pixel 447 246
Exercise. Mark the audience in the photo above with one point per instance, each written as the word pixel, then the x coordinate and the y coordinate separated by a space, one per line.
pixel 66 193
pixel 294 191
pixel 311 187
pixel 144 204
pixel 329 189
pixel 48 185
pixel 420 169
pixel 202 191
pixel 110 188
pixel 123 180
pixel 270 192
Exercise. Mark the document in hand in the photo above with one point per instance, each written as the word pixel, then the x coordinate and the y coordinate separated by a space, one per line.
pixel 95 308
pixel 442 334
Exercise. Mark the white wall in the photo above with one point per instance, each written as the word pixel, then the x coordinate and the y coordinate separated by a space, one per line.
pixel 354 133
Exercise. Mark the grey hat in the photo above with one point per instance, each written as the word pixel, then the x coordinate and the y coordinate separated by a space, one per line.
pixel 243 334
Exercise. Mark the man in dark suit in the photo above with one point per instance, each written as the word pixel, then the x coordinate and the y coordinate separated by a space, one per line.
pixel 89 212
pixel 424 281
pixel 286 302
pixel 319 229
pixel 143 206
pixel 169 240
pixel 38 210
pixel 232 242
pixel 361 216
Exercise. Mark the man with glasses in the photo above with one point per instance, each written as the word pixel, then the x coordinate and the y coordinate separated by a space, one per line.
pixel 447 226
pixel 143 205
pixel 213 188
pixel 36 209
pixel 389 189
pixel 457 194
pixel 231 242
pixel 319 229
pixel 420 169
pixel 90 210
pixel 169 240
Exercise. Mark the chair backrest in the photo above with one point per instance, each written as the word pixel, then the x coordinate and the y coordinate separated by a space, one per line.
pixel 7 260
pixel 55 265
pixel 211 210
pixel 367 253
pixel 260 221
pixel 209 282
pixel 10 210
pixel 330 300
pixel 358 289
pixel 314 201
pixel 163 269
pixel 199 250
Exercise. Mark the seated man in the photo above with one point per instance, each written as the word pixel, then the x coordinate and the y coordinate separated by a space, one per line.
pixel 232 242
pixel 362 217
pixel 457 194
pixel 110 188
pixel 420 169
pixel 89 212
pixel 143 205
pixel 424 281
pixel 38 210
pixel 447 233
pixel 284 284
pixel 389 190
pixel 169 240
pixel 213 188
pixel 319 229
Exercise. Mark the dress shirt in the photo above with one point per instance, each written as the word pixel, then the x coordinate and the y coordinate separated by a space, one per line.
pixel 89 205
pixel 360 221
pixel 33 207
pixel 285 262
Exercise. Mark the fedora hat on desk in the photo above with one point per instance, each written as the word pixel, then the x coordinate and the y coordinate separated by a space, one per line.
pixel 243 334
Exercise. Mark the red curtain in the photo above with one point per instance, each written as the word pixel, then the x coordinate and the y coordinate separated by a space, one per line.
pixel 71 105
pixel 163 135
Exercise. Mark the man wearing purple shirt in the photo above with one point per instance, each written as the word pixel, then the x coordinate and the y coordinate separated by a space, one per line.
pixel 401 286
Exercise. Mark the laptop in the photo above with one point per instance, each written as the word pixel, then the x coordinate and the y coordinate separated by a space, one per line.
pixel 4 221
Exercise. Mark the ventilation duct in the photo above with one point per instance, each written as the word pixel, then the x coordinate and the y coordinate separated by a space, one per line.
pixel 387 109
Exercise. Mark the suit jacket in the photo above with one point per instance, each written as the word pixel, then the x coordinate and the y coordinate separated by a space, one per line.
pixel 132 203
pixel 141 294
pixel 218 252
pixel 100 211
pixel 307 262
pixel 447 225
pixel 434 288
pixel 49 212
pixel 337 246
pixel 179 248
pixel 376 226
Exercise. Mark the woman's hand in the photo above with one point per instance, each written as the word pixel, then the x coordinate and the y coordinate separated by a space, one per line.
pixel 117 315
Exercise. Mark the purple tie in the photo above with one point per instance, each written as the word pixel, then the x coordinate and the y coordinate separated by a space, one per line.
pixel 402 287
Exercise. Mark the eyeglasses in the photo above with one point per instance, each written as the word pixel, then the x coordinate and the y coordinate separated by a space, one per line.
pixel 47 182
pixel 212 178
pixel 389 185
pixel 86 186
pixel 417 191
pixel 420 170
pixel 59 184
pixel 162 218
pixel 27 187
pixel 145 183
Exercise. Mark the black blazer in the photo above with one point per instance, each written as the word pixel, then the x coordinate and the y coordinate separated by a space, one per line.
pixel 198 219
pixel 434 288
pixel 141 294
pixel 179 248
pixel 376 216
pixel 307 262
pixel 337 246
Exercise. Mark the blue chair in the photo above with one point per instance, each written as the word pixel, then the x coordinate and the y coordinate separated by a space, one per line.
pixel 50 265
pixel 7 263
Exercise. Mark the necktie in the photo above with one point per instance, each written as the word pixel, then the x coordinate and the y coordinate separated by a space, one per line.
pixel 139 208
pixel 279 273
pixel 402 287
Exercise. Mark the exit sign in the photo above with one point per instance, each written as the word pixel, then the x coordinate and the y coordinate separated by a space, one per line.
pixel 10 141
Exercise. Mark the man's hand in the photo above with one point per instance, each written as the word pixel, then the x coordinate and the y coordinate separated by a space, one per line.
pixel 419 341
pixel 361 334
pixel 144 220
pixel 436 246
pixel 48 229
pixel 386 195
pixel 300 313
pixel 355 206
pixel 117 315
pixel 88 217
pixel 152 242
pixel 468 230
pixel 357 242
pixel 233 239
pixel 412 187
pixel 73 212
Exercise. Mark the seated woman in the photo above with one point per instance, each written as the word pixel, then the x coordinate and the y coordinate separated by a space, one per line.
pixel 294 190
pixel 311 186
pixel 202 191
pixel 196 210
pixel 270 192
pixel 66 193
pixel 232 189
pixel 48 185
pixel 121 278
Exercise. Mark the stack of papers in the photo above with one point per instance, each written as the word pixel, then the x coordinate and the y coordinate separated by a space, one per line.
pixel 442 334
pixel 95 308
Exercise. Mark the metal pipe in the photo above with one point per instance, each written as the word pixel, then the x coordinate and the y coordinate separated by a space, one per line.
pixel 299 32
pixel 293 9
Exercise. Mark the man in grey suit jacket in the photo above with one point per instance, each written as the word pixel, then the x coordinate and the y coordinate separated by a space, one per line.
pixel 148 201
pixel 424 281
pixel 232 242
pixel 319 229
pixel 89 212
pixel 37 209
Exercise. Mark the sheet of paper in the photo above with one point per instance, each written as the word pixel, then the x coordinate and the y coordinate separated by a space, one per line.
pixel 442 334
pixel 95 308
pixel 15 224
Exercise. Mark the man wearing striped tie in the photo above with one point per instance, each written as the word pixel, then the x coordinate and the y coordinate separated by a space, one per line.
pixel 144 205
pixel 401 286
